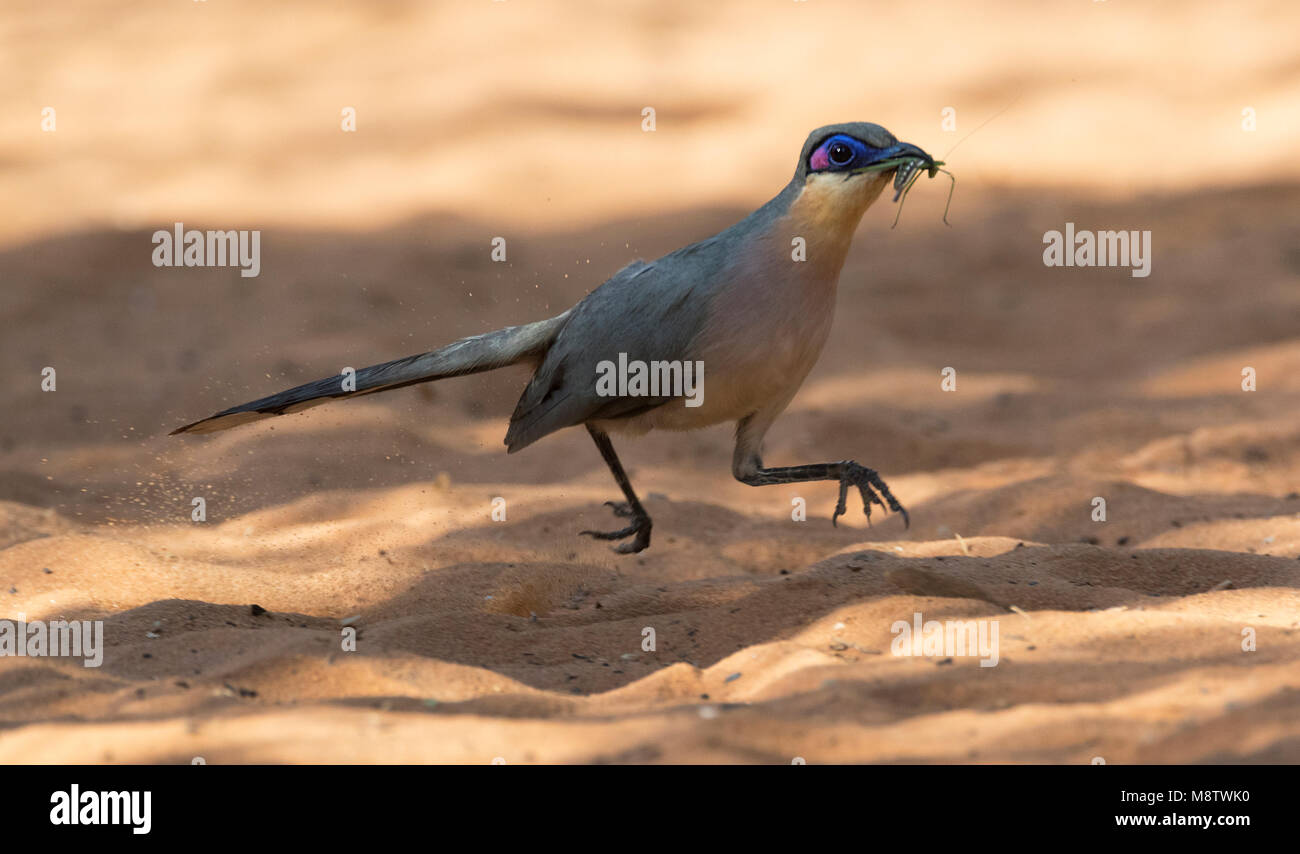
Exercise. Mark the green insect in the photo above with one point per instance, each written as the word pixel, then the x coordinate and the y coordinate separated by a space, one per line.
pixel 909 170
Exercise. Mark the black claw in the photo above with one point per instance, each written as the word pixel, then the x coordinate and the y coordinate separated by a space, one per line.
pixel 865 479
pixel 640 527
pixel 620 508
pixel 637 545
pixel 611 535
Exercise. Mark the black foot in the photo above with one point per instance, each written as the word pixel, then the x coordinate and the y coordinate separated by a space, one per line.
pixel 864 479
pixel 640 528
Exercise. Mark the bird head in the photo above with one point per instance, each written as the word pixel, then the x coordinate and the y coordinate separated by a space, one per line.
pixel 835 167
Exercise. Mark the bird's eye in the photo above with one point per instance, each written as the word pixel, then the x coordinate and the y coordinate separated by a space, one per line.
pixel 840 154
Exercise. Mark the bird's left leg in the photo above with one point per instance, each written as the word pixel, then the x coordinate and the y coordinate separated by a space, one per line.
pixel 641 523
pixel 747 467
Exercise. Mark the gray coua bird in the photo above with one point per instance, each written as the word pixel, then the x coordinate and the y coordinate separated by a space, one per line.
pixel 737 302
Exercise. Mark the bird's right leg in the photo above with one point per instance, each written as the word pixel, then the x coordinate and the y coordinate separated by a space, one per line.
pixel 747 467
pixel 847 472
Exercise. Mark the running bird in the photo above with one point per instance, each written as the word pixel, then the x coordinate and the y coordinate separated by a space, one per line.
pixel 737 302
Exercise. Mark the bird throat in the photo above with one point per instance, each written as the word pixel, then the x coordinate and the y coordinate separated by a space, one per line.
pixel 825 215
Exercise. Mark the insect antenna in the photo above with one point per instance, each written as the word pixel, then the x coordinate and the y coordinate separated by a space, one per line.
pixel 951 190
pixel 901 195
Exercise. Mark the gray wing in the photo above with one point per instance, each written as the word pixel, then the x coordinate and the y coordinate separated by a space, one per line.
pixel 650 311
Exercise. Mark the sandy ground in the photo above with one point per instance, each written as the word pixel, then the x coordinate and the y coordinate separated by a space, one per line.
pixel 518 640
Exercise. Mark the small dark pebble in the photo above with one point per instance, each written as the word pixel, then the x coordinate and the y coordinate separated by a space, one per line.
pixel 945 661
pixel 1122 541
pixel 256 610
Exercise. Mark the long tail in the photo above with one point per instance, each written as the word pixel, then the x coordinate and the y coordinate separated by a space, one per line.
pixel 467 356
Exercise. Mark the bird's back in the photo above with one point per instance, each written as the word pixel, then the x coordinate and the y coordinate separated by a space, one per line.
pixel 648 311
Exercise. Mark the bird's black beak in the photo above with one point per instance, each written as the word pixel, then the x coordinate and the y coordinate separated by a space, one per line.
pixel 903 149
